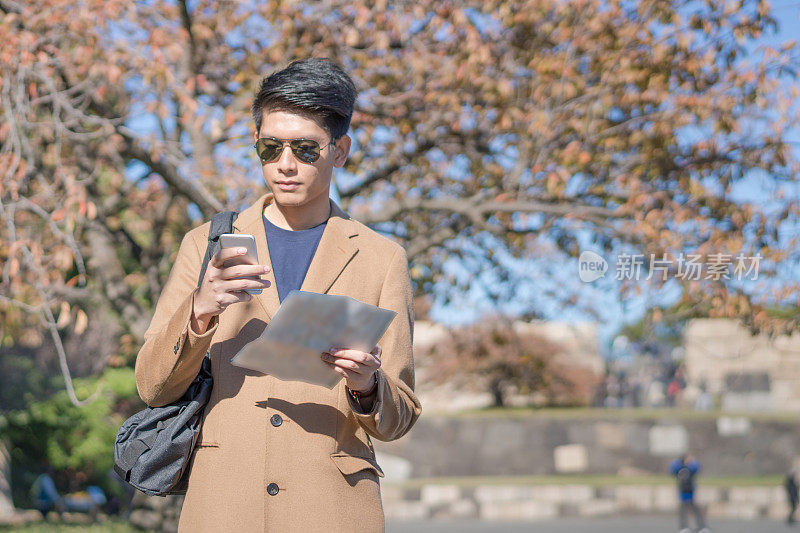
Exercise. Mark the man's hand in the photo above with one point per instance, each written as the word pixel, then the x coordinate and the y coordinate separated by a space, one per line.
pixel 225 285
pixel 356 366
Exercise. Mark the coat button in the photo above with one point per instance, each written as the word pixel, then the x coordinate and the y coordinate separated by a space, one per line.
pixel 272 489
pixel 276 420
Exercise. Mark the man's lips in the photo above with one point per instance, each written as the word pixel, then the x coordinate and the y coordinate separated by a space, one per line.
pixel 288 186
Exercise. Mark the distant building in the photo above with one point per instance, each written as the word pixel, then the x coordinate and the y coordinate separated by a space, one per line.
pixel 746 372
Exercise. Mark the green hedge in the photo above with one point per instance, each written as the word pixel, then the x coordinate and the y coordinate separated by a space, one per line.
pixel 78 442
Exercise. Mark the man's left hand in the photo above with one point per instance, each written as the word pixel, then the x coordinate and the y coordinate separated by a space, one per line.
pixel 356 366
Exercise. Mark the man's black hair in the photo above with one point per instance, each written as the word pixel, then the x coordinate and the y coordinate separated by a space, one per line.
pixel 316 88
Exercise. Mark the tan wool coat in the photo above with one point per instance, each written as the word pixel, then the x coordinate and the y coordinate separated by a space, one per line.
pixel 275 455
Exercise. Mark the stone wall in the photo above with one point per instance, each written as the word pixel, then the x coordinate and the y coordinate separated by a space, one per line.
pixel 527 503
pixel 598 443
pixel 542 502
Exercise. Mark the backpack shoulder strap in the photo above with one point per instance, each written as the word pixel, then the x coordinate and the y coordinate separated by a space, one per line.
pixel 221 223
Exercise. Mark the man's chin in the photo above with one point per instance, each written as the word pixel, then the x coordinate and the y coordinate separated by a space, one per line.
pixel 289 198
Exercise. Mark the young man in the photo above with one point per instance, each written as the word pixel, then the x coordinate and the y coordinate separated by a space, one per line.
pixel 278 455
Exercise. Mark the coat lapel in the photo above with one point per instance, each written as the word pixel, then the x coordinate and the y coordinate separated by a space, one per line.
pixel 335 250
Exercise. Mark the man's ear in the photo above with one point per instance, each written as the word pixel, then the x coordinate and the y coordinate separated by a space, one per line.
pixel 342 150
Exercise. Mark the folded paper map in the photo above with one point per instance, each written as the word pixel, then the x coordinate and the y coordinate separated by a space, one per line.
pixel 307 324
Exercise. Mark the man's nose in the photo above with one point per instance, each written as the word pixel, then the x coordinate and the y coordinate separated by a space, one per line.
pixel 286 161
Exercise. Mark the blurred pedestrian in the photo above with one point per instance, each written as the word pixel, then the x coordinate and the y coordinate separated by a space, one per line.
pixel 673 390
pixel 790 483
pixel 685 469
pixel 704 402
pixel 45 495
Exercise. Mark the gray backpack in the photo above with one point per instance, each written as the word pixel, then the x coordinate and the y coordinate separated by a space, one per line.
pixel 153 447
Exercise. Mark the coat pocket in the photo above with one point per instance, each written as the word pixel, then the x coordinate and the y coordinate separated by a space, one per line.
pixel 350 464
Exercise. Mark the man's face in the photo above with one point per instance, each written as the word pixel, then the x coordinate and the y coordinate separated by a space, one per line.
pixel 312 179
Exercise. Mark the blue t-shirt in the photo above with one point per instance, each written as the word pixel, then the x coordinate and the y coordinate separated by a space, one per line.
pixel 290 253
pixel 685 472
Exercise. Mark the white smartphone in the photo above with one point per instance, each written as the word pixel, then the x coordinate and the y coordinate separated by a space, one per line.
pixel 237 240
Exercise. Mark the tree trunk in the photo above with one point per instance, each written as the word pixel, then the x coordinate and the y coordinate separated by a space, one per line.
pixel 496 389
pixel 6 503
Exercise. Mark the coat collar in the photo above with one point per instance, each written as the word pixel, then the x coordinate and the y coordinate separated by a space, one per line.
pixel 335 250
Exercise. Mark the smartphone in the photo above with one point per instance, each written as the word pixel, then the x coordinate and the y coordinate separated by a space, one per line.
pixel 241 240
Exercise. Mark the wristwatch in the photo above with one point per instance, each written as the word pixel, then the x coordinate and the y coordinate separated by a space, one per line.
pixel 356 395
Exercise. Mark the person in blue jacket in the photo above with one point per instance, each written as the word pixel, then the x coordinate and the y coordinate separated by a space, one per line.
pixel 46 496
pixel 685 469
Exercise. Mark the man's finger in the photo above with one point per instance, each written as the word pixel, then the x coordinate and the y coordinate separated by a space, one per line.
pixel 355 355
pixel 237 285
pixel 352 366
pixel 236 297
pixel 238 271
pixel 226 253
pixel 242 296
pixel 337 369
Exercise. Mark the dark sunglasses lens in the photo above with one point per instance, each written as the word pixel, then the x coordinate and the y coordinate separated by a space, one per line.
pixel 306 151
pixel 268 149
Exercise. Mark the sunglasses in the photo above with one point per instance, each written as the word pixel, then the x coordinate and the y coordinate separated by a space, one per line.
pixel 306 150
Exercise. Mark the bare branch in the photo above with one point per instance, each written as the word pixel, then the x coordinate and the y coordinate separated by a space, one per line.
pixel 204 200
pixel 388 170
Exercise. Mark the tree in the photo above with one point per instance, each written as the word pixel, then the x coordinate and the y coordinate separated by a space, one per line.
pixel 498 123
pixel 499 356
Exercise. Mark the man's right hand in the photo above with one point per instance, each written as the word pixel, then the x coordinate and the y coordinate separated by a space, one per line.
pixel 221 288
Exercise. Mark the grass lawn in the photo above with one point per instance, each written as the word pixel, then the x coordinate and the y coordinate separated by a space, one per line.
pixel 108 526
